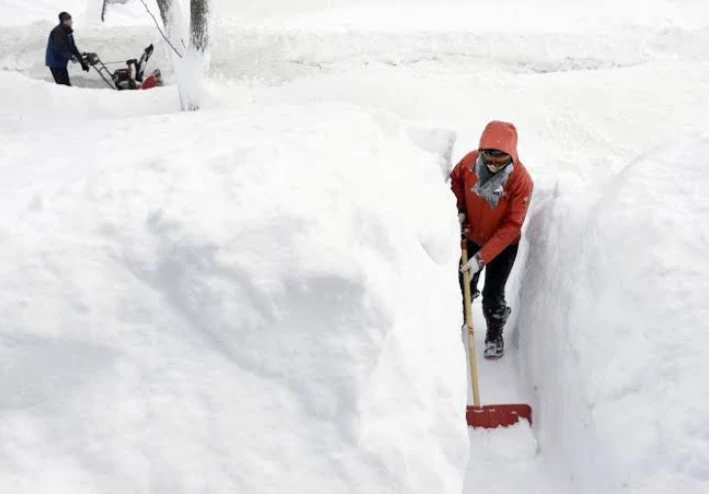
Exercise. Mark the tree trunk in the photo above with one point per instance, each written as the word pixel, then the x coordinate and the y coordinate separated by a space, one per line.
pixel 191 68
pixel 104 7
pixel 199 17
pixel 196 62
pixel 164 6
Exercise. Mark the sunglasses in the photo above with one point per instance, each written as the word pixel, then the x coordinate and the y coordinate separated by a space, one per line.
pixel 495 160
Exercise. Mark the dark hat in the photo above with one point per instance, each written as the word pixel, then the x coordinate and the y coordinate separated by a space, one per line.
pixel 64 16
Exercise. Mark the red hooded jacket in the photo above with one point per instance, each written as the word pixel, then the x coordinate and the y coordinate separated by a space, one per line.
pixel 494 229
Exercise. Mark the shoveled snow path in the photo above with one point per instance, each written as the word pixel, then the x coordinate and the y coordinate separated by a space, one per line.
pixel 515 447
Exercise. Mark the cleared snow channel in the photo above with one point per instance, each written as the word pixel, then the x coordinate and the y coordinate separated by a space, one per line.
pixel 262 296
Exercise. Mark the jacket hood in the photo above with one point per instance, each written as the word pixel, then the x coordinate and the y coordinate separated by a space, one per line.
pixel 501 136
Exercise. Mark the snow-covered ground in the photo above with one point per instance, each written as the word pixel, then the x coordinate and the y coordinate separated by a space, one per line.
pixel 223 303
pixel 262 296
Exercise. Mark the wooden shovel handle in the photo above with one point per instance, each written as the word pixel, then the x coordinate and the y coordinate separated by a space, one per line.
pixel 472 359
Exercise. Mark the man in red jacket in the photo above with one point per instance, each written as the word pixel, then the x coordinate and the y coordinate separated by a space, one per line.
pixel 493 189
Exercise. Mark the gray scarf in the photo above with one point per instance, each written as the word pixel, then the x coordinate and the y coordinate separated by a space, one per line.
pixel 490 186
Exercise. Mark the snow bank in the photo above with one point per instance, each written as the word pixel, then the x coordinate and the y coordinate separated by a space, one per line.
pixel 29 105
pixel 84 12
pixel 222 303
pixel 273 41
pixel 474 15
pixel 615 326
pixel 17 12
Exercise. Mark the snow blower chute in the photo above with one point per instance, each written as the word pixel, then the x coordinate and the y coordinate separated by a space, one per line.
pixel 488 416
pixel 129 78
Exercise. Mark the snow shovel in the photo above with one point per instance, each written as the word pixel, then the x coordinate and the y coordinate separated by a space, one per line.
pixel 488 416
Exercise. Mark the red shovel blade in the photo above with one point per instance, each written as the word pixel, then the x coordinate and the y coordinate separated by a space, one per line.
pixel 492 416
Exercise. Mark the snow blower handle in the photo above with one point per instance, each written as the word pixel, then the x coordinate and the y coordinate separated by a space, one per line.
pixel 90 58
pixel 467 300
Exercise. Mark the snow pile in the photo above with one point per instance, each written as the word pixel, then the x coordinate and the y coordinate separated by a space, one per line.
pixel 28 105
pixel 616 326
pixel 226 303
pixel 505 461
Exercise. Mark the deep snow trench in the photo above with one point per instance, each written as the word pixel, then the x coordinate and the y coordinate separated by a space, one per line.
pixel 262 296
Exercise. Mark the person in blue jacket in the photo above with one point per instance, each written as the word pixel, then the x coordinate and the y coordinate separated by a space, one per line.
pixel 61 49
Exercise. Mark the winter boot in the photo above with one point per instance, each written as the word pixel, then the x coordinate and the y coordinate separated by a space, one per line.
pixel 494 342
pixel 494 349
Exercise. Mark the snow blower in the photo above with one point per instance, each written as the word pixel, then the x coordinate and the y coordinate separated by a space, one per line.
pixel 488 416
pixel 130 78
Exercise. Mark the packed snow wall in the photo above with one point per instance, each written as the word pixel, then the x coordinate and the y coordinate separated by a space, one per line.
pixel 224 303
pixel 615 326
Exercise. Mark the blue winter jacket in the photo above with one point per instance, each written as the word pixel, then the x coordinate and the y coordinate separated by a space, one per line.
pixel 61 47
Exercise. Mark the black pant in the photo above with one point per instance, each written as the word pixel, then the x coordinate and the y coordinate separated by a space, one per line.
pixel 61 76
pixel 497 273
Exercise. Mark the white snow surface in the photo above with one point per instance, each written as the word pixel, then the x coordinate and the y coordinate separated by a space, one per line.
pixel 230 311
pixel 394 15
pixel 262 296
pixel 625 311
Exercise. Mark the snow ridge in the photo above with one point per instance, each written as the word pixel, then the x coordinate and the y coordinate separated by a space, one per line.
pixel 623 313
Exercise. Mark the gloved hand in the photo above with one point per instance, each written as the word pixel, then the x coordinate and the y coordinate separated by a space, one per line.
pixel 84 66
pixel 473 265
